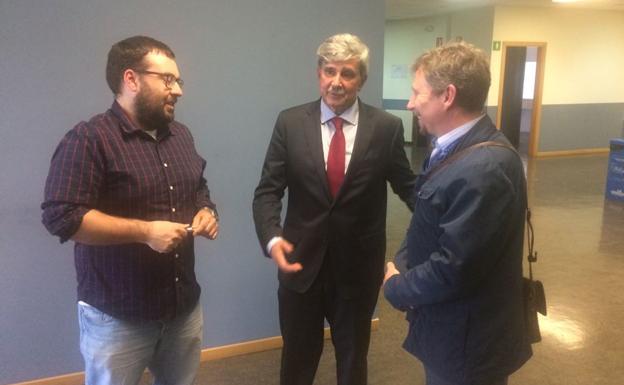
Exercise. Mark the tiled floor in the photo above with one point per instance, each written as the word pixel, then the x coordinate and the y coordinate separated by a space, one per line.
pixel 580 242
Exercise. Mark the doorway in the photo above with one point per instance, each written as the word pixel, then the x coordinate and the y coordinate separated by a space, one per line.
pixel 520 94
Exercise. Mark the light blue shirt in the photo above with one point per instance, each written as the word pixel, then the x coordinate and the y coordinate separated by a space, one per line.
pixel 450 137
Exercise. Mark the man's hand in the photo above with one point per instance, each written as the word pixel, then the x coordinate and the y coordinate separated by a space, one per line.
pixel 164 236
pixel 278 253
pixel 390 271
pixel 205 224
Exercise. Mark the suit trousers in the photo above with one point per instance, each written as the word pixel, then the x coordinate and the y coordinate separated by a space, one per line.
pixel 302 317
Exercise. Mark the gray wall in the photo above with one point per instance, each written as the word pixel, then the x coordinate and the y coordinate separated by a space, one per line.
pixel 569 127
pixel 580 126
pixel 242 61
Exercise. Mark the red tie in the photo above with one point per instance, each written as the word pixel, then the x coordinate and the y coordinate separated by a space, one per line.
pixel 336 158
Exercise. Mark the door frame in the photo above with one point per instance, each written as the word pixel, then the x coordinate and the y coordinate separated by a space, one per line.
pixel 539 86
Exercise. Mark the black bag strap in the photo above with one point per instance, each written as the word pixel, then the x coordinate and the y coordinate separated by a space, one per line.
pixel 532 256
pixel 460 154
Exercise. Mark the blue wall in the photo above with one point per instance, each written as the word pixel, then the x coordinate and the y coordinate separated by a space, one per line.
pixel 242 61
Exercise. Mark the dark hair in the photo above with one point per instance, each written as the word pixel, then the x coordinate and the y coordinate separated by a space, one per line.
pixel 129 54
pixel 461 64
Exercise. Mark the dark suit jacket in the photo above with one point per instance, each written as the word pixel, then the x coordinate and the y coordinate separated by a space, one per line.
pixel 350 229
pixel 463 286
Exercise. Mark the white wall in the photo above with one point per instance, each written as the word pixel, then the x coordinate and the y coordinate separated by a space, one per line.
pixel 473 26
pixel 404 41
pixel 584 53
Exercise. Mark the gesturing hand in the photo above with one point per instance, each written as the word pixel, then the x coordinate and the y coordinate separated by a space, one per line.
pixel 278 253
pixel 390 271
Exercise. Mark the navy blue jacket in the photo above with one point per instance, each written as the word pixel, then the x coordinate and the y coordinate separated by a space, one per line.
pixel 462 284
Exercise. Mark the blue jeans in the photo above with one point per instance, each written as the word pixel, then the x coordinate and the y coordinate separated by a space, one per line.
pixel 117 352
pixel 433 379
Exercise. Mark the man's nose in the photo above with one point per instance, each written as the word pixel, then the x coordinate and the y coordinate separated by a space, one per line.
pixel 410 104
pixel 176 89
pixel 336 81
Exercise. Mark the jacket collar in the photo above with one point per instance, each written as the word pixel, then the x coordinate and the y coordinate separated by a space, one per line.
pixel 482 131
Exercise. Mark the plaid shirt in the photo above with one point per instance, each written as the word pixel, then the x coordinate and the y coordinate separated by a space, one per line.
pixel 110 165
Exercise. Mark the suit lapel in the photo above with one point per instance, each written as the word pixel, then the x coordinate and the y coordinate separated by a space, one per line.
pixel 312 132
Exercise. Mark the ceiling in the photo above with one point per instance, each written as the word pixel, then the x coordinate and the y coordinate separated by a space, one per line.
pixel 406 9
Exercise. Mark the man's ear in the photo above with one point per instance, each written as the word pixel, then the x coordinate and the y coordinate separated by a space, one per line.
pixel 449 95
pixel 130 80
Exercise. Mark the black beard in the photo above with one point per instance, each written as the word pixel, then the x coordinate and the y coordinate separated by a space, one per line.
pixel 150 115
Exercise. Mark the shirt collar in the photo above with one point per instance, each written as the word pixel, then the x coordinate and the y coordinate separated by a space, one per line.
pixel 456 133
pixel 350 114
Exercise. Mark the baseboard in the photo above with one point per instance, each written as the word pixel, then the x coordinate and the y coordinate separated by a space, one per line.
pixel 255 346
pixel 66 379
pixel 578 152
pixel 209 354
pixel 246 347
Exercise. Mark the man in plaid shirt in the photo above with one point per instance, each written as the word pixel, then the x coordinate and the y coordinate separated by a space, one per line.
pixel 128 188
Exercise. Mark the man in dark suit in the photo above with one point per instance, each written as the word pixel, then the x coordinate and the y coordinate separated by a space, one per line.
pixel 334 156
pixel 461 278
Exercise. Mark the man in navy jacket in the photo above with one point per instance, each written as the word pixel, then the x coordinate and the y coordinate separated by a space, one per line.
pixel 461 272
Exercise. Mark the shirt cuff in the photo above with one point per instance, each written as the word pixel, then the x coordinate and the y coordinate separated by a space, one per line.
pixel 63 220
pixel 272 242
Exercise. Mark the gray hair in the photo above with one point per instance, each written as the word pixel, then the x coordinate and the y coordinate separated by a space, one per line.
pixel 344 47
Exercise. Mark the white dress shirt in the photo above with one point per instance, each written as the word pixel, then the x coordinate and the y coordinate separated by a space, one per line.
pixel 349 128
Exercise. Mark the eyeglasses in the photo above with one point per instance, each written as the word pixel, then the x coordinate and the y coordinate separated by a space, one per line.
pixel 168 78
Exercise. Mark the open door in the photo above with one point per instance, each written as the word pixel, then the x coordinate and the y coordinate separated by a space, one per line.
pixel 511 104
pixel 520 94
